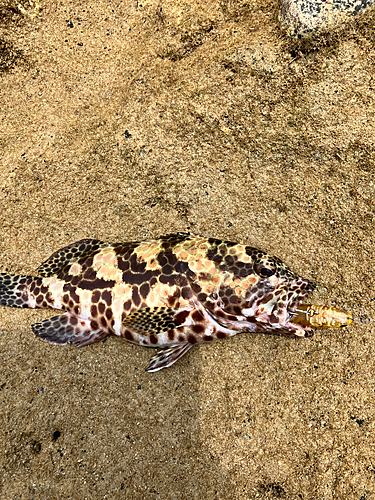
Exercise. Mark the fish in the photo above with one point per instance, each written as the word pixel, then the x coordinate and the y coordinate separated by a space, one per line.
pixel 169 293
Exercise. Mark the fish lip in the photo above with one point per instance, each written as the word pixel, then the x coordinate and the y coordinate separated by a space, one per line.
pixel 295 301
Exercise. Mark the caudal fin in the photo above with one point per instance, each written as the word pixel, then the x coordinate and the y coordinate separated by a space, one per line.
pixel 14 290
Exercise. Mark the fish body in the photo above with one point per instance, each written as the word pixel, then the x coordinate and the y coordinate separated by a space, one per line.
pixel 170 293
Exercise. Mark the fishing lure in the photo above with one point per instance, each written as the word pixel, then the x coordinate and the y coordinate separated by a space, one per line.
pixel 325 316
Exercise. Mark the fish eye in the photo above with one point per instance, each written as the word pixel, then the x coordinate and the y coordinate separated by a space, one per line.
pixel 265 270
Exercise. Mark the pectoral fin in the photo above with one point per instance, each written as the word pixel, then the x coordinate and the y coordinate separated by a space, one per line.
pixel 154 320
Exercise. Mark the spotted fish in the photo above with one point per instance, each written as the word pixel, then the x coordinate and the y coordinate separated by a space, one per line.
pixel 170 293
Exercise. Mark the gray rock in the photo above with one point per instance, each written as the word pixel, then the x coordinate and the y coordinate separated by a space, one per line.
pixel 304 17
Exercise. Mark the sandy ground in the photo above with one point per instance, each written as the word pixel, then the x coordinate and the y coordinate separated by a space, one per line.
pixel 126 120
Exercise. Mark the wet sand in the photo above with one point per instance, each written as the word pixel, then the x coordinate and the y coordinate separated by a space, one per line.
pixel 124 121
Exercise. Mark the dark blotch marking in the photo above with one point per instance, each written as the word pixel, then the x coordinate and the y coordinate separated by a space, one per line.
pixel 108 313
pixel 144 290
pixel 192 339
pixel 137 278
pixel 94 325
pixel 135 265
pixel 153 281
pixel 202 297
pixel 72 291
pixel 208 338
pixel 39 299
pixel 229 260
pixel 205 277
pixel 234 299
pixel 172 259
pixel 214 256
pixel 170 334
pixel 50 298
pixel 170 280
pixel 198 329
pixel 267 298
pixel 135 296
pixel 94 311
pixel 181 338
pixel 128 335
pixel 98 283
pixel 196 287
pixel 37 291
pixel 87 263
pixel 162 259
pixel 186 293
pixel 153 339
pixel 95 296
pixel 101 307
pixel 90 274
pixel 167 269
pixel 221 335
pixel 107 297
pixel 73 321
pixel 44 289
pixel 103 322
pixel 191 276
pixel 127 306
pixel 180 317
pixel 123 264
pixel 197 316
pixel 274 319
pixel 246 271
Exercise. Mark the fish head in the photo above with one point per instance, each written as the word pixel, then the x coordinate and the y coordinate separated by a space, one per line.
pixel 262 293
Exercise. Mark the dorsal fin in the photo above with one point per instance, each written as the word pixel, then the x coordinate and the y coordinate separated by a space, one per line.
pixel 65 256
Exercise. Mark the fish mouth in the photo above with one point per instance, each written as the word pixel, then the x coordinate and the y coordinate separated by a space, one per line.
pixel 276 314
pixel 305 288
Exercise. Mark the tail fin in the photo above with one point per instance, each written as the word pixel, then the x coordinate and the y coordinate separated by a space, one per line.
pixel 15 290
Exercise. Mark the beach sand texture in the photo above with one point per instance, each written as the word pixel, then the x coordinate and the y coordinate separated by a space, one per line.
pixel 125 120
